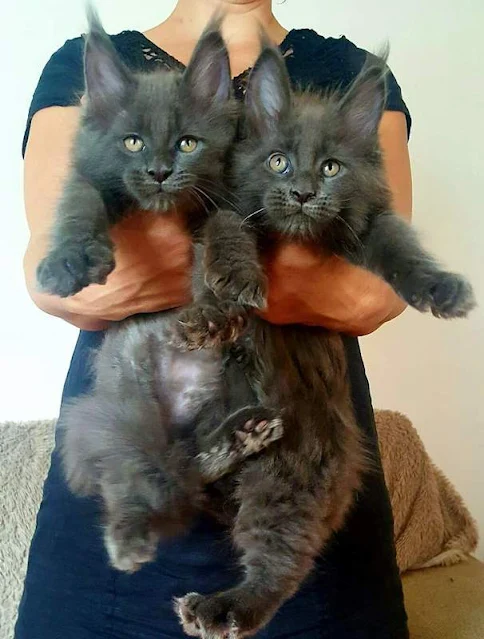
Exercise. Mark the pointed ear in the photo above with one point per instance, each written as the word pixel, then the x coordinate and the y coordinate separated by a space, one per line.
pixel 108 80
pixel 207 81
pixel 268 96
pixel 364 103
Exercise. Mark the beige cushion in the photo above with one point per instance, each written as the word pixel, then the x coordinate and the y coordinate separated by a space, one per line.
pixel 442 603
pixel 446 603
pixel 24 459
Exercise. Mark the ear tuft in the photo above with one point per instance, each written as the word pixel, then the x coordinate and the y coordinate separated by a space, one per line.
pixel 364 102
pixel 207 78
pixel 268 96
pixel 108 80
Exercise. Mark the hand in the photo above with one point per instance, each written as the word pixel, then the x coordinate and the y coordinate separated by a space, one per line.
pixel 307 288
pixel 153 263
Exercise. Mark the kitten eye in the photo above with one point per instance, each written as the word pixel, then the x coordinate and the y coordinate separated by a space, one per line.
pixel 331 168
pixel 134 143
pixel 278 163
pixel 187 144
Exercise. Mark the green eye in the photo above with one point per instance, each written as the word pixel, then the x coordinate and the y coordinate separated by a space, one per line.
pixel 134 143
pixel 278 163
pixel 187 144
pixel 331 168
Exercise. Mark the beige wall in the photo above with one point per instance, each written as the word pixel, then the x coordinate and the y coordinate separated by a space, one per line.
pixel 428 369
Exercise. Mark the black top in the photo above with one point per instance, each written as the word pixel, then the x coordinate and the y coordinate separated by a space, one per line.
pixel 311 59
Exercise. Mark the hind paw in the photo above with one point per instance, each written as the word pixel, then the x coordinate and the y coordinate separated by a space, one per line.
pixel 130 546
pixel 207 326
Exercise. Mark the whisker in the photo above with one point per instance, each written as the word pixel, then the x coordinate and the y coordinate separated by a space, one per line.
pixel 359 243
pixel 209 190
pixel 216 186
pixel 198 198
pixel 217 195
pixel 251 215
pixel 202 192
pixel 217 183
pixel 224 199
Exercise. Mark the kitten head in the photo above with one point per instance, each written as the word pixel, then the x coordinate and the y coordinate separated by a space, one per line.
pixel 309 164
pixel 160 137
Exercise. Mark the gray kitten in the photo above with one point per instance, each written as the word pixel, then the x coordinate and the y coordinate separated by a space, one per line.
pixel 308 168
pixel 146 140
pixel 161 421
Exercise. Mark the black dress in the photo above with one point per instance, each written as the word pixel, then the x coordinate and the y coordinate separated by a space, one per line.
pixel 70 590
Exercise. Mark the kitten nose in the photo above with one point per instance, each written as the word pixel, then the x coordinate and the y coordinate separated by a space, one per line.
pixel 160 175
pixel 303 197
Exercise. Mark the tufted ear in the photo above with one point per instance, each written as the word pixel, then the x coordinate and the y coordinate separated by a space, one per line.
pixel 268 96
pixel 108 81
pixel 364 102
pixel 207 80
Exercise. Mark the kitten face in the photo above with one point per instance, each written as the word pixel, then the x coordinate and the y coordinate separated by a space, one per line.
pixel 309 163
pixel 161 138
pixel 164 147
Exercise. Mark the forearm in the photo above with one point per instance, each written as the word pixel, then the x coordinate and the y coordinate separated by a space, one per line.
pixel 52 304
pixel 378 304
pixel 308 288
pixel 153 273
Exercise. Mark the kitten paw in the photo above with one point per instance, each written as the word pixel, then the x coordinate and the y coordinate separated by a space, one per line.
pixel 257 433
pixel 452 296
pixel 72 266
pixel 206 326
pixel 129 546
pixel 445 295
pixel 245 433
pixel 207 617
pixel 244 287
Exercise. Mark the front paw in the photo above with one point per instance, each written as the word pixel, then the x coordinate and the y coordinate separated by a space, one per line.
pixel 208 617
pixel 209 326
pixel 130 545
pixel 445 295
pixel 245 287
pixel 72 266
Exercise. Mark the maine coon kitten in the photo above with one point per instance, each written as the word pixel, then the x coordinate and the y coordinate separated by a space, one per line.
pixel 161 421
pixel 309 169
pixel 151 141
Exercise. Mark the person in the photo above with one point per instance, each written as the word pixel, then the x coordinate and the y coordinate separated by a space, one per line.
pixel 70 590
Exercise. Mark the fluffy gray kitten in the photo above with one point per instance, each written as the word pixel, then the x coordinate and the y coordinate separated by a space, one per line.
pixel 161 421
pixel 153 141
pixel 309 168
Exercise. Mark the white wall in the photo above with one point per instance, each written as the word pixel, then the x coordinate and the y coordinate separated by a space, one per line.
pixel 428 369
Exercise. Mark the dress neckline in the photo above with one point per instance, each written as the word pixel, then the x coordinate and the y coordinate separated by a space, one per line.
pixel 152 51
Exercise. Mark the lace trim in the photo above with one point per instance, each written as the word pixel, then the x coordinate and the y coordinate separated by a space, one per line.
pixel 159 56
